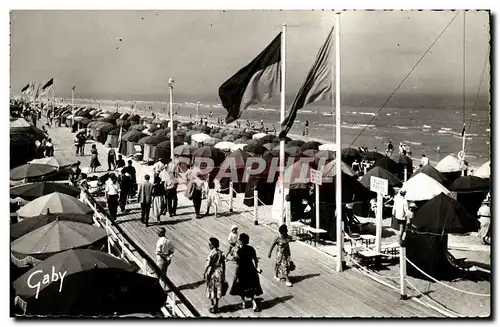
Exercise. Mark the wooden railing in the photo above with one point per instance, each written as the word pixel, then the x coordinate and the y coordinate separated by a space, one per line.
pixel 177 305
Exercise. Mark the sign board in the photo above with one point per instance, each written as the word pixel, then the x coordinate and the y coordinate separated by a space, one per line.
pixel 316 177
pixel 379 185
pixel 137 148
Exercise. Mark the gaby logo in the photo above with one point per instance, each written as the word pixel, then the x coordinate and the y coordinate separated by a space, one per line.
pixel 38 278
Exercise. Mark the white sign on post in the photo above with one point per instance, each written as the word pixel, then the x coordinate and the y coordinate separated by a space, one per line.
pixel 316 177
pixel 379 185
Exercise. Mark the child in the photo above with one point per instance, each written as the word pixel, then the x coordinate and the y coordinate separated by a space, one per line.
pixel 233 242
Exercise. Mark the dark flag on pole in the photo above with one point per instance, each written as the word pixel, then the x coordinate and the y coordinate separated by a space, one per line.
pixel 46 88
pixel 25 89
pixel 463 131
pixel 317 86
pixel 254 83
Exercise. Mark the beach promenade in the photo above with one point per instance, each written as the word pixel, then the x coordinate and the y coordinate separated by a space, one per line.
pixel 318 290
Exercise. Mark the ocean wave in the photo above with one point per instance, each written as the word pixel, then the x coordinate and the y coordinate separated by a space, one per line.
pixel 363 113
pixel 426 126
pixel 262 109
pixel 400 127
pixel 446 128
pixel 305 111
pixel 413 143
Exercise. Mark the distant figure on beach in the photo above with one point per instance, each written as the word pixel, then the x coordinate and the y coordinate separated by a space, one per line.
pixel 248 123
pixel 238 124
pixel 283 263
pixel 305 132
pixel 144 198
pixel 390 148
pixel 274 130
pixel 438 149
pixel 215 275
pixel 205 120
pixel 210 114
pixel 190 115
pixel 424 161
pixel 94 160
pixel 164 253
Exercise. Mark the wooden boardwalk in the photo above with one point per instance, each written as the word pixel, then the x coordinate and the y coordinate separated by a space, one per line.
pixel 318 290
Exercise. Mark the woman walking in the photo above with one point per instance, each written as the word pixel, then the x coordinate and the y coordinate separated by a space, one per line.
pixel 157 198
pixel 283 254
pixel 246 283
pixel 212 187
pixel 94 160
pixel 214 274
pixel 112 191
pixel 194 189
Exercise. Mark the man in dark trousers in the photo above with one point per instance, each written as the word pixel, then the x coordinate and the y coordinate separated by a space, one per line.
pixel 131 171
pixel 144 198
pixel 170 180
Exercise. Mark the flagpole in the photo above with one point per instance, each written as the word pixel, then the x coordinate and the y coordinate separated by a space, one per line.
pixel 171 89
pixel 338 192
pixel 282 120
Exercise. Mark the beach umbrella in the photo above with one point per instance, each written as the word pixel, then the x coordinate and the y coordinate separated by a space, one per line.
pixel 55 202
pixel 448 164
pixel 229 138
pixel 328 146
pixel 389 165
pixel 31 191
pixel 258 136
pixel 238 147
pixel 210 152
pixel 310 153
pixel 138 127
pixel 271 153
pixel 54 162
pixel 297 176
pixel 184 150
pixel 443 215
pixel 255 149
pixel 253 142
pixel 484 171
pixel 218 135
pixel 431 172
pixel 236 159
pixel 372 155
pixel 329 169
pixel 470 184
pixel 421 187
pixel 30 171
pixel 293 151
pixel 30 224
pixel 404 160
pixel 200 137
pixel 311 145
pixel 380 172
pixel 269 146
pixel 55 237
pixel 241 140
pixel 94 284
pixel 224 145
pixel 352 190
pixel 268 138
pixel 211 141
pixel 82 120
pixel 297 143
pixel 325 154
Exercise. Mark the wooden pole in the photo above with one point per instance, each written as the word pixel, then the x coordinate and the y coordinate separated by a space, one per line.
pixel 405 174
pixel 231 196
pixel 282 120
pixel 380 208
pixel 338 139
pixel 316 191
pixel 402 272
pixel 255 205
pixel 171 88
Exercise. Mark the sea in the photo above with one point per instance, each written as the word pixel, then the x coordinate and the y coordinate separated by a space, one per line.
pixel 435 132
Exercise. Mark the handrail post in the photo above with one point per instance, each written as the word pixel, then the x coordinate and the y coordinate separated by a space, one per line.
pixel 255 205
pixel 402 272
pixel 145 267
pixel 230 196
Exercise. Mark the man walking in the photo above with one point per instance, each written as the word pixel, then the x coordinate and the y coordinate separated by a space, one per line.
pixel 164 253
pixel 171 188
pixel 401 211
pixel 144 198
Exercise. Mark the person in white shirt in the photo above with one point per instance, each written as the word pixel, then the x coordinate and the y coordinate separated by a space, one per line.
pixel 233 243
pixel 112 190
pixel 484 214
pixel 111 158
pixel 424 161
pixel 158 167
pixel 164 253
pixel 400 211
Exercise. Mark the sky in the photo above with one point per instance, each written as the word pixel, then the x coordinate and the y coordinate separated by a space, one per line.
pixel 133 53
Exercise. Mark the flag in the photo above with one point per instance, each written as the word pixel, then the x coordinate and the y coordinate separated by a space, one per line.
pixel 24 90
pixel 46 88
pixel 317 86
pixel 463 131
pixel 37 92
pixel 254 83
pixel 31 89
